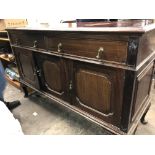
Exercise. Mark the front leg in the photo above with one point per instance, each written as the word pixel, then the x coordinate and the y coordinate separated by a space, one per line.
pixel 26 94
pixel 143 121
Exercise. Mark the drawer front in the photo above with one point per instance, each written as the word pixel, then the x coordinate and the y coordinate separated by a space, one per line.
pixel 31 39
pixel 97 49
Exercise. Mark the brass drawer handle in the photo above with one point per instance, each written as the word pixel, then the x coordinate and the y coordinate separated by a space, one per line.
pixel 35 44
pixel 100 52
pixel 59 48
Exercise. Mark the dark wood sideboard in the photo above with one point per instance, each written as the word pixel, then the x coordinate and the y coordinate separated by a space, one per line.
pixel 103 74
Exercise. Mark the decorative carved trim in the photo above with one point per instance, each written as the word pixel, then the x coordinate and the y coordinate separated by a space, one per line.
pixel 54 90
pixel 90 108
pixel 133 45
pixel 132 51
pixel 82 59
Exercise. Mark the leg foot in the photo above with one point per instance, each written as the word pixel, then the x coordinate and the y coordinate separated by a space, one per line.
pixel 25 91
pixel 143 121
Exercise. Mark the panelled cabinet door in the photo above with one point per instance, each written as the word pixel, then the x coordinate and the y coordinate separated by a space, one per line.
pixel 98 91
pixel 53 74
pixel 27 70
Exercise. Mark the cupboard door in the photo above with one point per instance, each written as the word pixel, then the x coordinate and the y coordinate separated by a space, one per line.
pixel 27 69
pixel 99 91
pixel 53 74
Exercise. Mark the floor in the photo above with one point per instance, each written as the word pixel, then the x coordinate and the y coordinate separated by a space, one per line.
pixel 39 116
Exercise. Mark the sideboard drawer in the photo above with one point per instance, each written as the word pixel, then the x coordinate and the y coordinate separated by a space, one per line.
pixel 28 39
pixel 98 49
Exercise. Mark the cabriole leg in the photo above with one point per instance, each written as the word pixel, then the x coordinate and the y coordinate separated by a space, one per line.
pixel 143 121
pixel 25 91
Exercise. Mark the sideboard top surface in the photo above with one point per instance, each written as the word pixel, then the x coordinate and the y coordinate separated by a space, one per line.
pixel 128 26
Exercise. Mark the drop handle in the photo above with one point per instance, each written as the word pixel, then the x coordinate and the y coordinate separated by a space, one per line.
pixel 100 52
pixel 35 44
pixel 59 48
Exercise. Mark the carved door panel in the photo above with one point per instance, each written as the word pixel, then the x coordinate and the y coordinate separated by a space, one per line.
pixel 98 91
pixel 26 65
pixel 52 74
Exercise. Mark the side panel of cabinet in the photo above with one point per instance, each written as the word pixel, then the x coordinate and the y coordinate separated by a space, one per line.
pixel 98 90
pixel 26 65
pixel 53 74
pixel 142 89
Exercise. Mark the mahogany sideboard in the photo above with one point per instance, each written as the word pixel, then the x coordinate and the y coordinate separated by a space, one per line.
pixel 103 74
